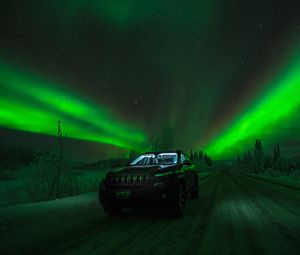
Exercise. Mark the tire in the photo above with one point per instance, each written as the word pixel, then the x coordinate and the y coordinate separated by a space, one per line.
pixel 112 210
pixel 195 189
pixel 178 205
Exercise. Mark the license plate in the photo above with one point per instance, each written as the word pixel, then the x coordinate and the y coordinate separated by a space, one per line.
pixel 123 194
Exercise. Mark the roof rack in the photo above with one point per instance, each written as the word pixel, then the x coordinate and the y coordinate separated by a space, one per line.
pixel 157 152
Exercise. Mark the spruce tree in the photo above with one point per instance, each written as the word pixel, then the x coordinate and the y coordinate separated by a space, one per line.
pixel 200 154
pixel 191 155
pixel 276 152
pixel 258 156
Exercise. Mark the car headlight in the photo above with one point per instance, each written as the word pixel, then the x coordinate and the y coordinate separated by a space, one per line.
pixel 159 185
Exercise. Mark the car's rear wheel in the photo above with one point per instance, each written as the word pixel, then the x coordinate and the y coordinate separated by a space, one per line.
pixel 112 210
pixel 195 189
pixel 178 206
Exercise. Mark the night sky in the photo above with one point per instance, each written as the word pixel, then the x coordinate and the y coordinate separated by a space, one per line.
pixel 115 72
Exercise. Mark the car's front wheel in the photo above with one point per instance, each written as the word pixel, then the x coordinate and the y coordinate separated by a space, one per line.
pixel 112 210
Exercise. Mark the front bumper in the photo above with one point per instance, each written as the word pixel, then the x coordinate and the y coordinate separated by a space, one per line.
pixel 159 194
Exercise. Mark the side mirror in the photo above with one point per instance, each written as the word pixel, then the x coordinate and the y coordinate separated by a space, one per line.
pixel 187 163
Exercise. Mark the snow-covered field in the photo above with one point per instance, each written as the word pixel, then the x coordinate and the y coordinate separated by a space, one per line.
pixel 24 188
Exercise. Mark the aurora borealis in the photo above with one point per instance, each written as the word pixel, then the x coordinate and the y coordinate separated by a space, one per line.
pixel 270 113
pixel 37 104
pixel 220 73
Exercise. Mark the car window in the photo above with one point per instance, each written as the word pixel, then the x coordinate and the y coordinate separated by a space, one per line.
pixel 156 159
pixel 145 160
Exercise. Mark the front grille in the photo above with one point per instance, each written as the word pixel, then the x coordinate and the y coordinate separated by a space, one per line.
pixel 128 179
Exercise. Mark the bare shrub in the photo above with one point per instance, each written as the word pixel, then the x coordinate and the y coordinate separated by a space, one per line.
pixel 54 170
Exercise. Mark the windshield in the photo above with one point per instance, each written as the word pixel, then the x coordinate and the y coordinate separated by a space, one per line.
pixel 156 159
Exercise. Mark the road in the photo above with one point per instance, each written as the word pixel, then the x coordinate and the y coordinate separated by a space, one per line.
pixel 235 214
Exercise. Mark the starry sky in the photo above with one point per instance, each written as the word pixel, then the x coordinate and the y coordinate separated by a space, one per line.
pixel 116 72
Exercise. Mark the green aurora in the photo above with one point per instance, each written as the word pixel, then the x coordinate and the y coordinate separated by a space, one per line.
pixel 276 107
pixel 34 105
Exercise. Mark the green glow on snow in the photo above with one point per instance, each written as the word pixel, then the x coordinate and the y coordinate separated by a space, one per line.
pixel 34 105
pixel 265 116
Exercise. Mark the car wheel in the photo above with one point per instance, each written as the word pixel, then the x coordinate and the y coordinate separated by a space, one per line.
pixel 179 202
pixel 195 189
pixel 112 210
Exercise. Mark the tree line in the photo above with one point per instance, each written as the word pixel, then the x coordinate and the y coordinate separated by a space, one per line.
pixel 165 141
pixel 257 161
pixel 200 155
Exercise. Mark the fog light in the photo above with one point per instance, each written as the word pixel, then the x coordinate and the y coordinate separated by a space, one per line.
pixel 158 185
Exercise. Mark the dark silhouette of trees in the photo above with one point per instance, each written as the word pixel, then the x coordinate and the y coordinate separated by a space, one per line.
pixel 247 161
pixel 164 140
pixel 200 156
pixel 247 156
pixel 191 155
pixel 14 157
pixel 207 160
pixel 268 164
pixel 238 159
pixel 259 156
pixel 168 138
pixel 155 145
pixel 276 152
pixel 55 168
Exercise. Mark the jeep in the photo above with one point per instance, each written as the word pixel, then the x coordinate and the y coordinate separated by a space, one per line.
pixel 164 178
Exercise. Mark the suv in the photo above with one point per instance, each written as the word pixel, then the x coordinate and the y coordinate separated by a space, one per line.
pixel 153 177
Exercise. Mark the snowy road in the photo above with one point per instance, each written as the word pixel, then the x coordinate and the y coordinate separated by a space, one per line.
pixel 235 214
